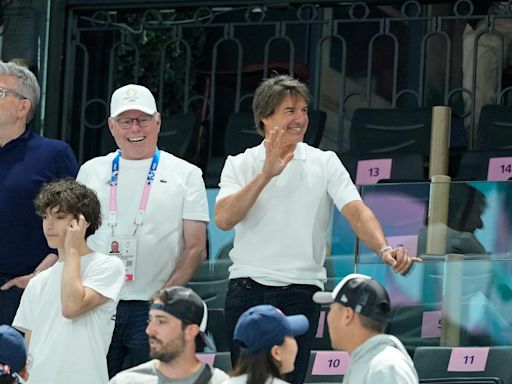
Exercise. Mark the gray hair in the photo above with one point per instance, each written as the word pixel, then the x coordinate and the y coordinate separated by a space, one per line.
pixel 27 84
pixel 271 93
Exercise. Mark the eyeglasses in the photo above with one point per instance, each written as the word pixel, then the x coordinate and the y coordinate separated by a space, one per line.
pixel 127 122
pixel 5 91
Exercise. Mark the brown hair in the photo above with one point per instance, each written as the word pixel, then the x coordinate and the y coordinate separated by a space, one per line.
pixel 271 93
pixel 73 198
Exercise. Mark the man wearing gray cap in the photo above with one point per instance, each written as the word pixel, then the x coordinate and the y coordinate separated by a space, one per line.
pixel 177 318
pixel 155 208
pixel 357 319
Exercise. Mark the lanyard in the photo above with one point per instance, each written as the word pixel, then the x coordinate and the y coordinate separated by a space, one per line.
pixel 138 221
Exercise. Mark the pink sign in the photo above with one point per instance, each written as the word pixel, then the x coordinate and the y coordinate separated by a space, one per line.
pixel 321 324
pixel 468 359
pixel 371 171
pixel 207 358
pixel 409 242
pixel 431 324
pixel 500 168
pixel 330 363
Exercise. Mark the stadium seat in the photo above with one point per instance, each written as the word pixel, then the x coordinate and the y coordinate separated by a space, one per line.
pixel 474 165
pixel 179 135
pixel 433 362
pixel 494 127
pixel 463 380
pixel 391 130
pixel 404 166
pixel 211 281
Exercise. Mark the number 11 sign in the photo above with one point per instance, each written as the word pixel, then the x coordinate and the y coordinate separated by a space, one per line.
pixel 472 359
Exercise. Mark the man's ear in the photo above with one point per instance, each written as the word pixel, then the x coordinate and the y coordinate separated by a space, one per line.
pixel 349 315
pixel 24 107
pixel 191 331
pixel 111 125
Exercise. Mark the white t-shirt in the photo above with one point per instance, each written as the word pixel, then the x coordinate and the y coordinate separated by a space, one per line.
pixel 177 194
pixel 147 373
pixel 70 351
pixel 283 238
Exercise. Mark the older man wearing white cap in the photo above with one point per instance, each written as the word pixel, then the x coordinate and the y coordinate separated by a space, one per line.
pixel 155 208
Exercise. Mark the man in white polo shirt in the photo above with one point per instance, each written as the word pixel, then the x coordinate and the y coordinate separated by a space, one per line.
pixel 155 209
pixel 278 196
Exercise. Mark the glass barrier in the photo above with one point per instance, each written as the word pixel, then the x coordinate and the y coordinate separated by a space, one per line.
pixel 459 297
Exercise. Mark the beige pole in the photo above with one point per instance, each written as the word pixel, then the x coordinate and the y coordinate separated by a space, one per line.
pixel 452 301
pixel 440 141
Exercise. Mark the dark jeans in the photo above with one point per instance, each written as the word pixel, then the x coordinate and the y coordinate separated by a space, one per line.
pixel 9 302
pixel 292 299
pixel 129 346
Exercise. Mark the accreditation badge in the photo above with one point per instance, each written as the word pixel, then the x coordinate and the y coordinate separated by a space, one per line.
pixel 126 249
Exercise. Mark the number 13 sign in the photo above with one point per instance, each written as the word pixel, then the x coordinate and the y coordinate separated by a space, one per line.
pixel 371 171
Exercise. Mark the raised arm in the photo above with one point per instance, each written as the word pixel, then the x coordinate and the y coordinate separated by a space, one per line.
pixel 75 298
pixel 232 209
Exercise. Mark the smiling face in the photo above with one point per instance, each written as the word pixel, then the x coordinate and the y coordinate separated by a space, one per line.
pixel 135 142
pixel 291 115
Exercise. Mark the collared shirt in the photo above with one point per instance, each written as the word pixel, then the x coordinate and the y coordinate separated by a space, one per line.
pixel 283 238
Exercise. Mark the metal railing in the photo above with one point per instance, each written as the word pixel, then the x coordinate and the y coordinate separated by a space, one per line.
pixel 209 59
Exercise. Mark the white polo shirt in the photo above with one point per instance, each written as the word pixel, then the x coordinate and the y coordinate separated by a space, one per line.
pixel 177 194
pixel 283 238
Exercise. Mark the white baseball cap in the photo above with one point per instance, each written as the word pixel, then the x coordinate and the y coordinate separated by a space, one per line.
pixel 132 96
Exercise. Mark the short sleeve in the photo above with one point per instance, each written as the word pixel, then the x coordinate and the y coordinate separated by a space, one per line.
pixel 106 276
pixel 196 203
pixel 229 184
pixel 24 317
pixel 339 185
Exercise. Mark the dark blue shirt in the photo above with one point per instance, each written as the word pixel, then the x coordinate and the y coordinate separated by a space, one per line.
pixel 26 163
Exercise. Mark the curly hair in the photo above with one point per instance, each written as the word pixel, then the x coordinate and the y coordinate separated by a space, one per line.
pixel 70 197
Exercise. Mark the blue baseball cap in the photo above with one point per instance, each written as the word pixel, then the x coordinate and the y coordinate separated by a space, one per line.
pixel 13 352
pixel 261 327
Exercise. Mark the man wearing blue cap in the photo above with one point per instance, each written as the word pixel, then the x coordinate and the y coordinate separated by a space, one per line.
pixel 357 319
pixel 266 338
pixel 13 356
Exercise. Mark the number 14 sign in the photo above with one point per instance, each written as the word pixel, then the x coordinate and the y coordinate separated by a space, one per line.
pixel 500 168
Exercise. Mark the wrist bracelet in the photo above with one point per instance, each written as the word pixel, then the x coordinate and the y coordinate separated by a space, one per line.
pixel 385 249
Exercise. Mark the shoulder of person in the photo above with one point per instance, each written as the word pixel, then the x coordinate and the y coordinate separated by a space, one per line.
pixel 50 145
pixel 218 376
pixel 136 374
